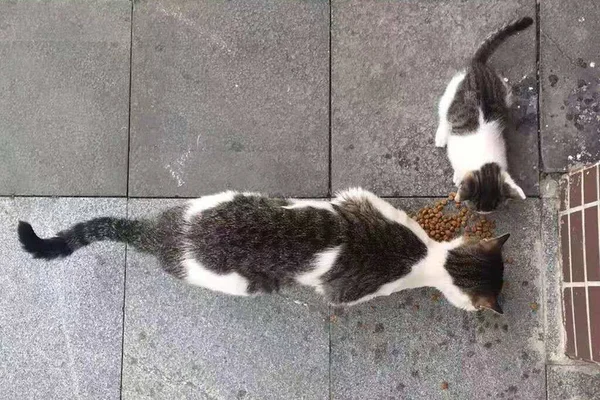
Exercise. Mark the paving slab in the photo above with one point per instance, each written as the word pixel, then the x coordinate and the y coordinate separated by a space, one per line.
pixel 552 271
pixel 391 62
pixel 574 382
pixel 570 81
pixel 61 321
pixel 230 95
pixel 411 345
pixel 186 342
pixel 65 93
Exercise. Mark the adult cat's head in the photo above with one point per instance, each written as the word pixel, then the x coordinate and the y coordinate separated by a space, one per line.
pixel 488 187
pixel 477 269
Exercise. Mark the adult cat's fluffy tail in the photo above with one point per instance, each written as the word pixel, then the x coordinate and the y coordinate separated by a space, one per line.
pixel 493 41
pixel 80 235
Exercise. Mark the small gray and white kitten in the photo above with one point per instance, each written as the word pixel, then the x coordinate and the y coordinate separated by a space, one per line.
pixel 351 249
pixel 473 115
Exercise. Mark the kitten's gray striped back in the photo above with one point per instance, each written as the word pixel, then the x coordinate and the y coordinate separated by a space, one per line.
pixel 482 89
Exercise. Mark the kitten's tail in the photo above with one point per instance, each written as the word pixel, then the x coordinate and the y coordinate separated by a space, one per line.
pixel 79 235
pixel 493 41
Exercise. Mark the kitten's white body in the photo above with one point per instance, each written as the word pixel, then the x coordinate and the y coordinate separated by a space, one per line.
pixel 444 128
pixel 428 272
pixel 470 152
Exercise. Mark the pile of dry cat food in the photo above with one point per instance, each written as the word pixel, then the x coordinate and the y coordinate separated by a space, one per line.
pixel 447 219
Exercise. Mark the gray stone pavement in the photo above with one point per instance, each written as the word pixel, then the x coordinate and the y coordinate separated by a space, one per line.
pixel 60 322
pixel 134 102
pixel 570 82
pixel 64 97
pixel 245 104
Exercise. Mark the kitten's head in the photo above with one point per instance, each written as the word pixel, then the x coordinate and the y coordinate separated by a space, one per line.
pixel 488 187
pixel 477 270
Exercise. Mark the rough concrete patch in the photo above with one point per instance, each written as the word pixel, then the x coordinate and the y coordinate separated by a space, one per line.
pixel 573 382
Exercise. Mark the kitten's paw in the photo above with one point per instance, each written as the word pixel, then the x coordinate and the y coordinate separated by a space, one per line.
pixel 441 137
pixel 456 179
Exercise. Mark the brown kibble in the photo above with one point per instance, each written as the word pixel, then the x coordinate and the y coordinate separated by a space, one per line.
pixel 509 260
pixel 444 385
pixel 440 226
pixel 333 318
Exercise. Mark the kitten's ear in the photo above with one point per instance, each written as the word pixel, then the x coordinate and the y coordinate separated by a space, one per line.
pixel 510 188
pixel 466 188
pixel 490 303
pixel 495 244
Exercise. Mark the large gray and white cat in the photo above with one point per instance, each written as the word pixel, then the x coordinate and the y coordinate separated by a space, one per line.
pixel 473 114
pixel 350 249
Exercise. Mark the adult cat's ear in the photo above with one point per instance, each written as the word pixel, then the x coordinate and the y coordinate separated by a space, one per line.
pixel 466 188
pixel 495 244
pixel 490 303
pixel 510 188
